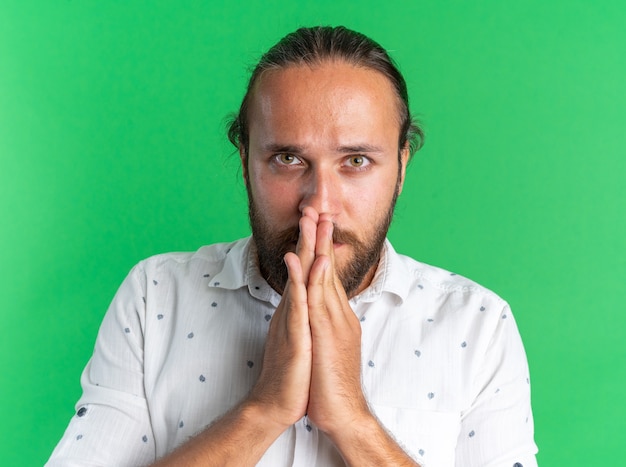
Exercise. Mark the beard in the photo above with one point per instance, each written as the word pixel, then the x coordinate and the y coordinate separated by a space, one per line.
pixel 272 245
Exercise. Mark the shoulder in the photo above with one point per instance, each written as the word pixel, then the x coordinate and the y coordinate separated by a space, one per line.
pixel 205 255
pixel 441 286
pixel 443 279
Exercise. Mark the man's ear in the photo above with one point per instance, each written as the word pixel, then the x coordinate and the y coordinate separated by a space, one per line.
pixel 243 156
pixel 405 154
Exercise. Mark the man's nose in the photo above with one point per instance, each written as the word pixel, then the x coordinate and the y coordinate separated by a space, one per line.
pixel 320 190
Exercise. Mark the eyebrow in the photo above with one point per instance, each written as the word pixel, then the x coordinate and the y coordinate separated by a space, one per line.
pixel 286 148
pixel 298 149
pixel 359 148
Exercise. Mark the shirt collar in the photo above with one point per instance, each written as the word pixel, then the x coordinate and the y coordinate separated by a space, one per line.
pixel 233 274
pixel 392 276
pixel 241 269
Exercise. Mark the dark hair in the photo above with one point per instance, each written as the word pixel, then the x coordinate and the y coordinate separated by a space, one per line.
pixel 314 45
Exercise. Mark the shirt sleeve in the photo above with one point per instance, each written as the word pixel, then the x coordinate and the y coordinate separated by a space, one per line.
pixel 111 425
pixel 497 429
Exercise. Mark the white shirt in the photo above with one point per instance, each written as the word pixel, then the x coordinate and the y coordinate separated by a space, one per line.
pixel 443 366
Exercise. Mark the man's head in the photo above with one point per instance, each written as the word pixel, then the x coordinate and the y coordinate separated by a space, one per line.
pixel 324 123
pixel 311 46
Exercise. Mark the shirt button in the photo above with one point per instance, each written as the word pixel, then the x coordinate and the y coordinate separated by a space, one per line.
pixel 81 412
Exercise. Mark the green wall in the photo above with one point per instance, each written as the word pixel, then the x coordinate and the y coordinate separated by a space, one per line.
pixel 112 149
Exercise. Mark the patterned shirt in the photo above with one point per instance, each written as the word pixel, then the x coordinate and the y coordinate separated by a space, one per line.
pixel 443 366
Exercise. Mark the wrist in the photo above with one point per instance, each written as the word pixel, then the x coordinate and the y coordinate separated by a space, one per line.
pixel 360 422
pixel 258 414
pixel 366 442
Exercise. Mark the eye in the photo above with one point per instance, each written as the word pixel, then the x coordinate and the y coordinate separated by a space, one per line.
pixel 286 159
pixel 358 162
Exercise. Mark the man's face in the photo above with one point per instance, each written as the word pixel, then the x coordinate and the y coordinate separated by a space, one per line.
pixel 326 137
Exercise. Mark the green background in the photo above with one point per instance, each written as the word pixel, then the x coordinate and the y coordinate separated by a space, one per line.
pixel 112 149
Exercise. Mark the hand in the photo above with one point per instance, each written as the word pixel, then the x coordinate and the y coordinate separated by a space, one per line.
pixel 283 385
pixel 336 397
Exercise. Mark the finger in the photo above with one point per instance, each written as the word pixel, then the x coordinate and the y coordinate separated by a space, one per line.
pixel 336 299
pixel 294 268
pixel 324 239
pixel 316 293
pixel 293 295
pixel 305 249
pixel 295 289
pixel 312 213
pixel 325 246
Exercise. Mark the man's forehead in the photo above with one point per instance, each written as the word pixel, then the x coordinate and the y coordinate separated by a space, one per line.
pixel 322 92
pixel 320 76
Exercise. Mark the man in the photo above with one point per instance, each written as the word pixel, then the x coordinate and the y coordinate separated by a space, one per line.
pixel 312 342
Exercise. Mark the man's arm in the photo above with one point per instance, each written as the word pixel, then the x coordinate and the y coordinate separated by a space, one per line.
pixel 221 443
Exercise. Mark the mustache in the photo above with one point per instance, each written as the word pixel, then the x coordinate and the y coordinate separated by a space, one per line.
pixel 291 235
